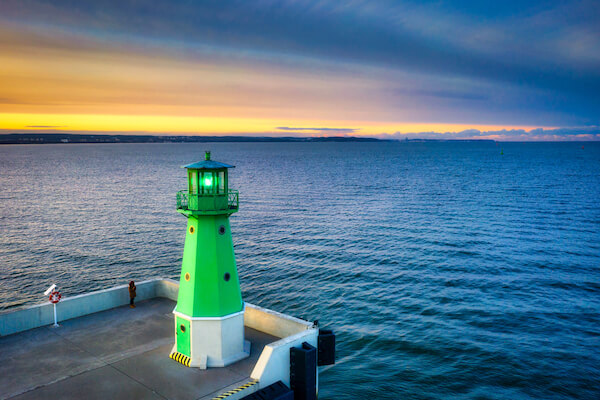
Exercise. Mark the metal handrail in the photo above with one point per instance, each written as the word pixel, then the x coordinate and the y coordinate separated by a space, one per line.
pixel 233 199
pixel 183 199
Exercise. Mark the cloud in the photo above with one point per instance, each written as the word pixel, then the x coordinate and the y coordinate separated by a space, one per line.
pixel 536 61
pixel 323 130
pixel 590 133
pixel 442 39
pixel 444 94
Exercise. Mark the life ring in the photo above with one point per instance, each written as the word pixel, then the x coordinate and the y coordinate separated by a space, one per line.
pixel 55 297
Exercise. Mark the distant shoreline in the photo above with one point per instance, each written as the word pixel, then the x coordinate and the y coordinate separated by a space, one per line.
pixel 66 138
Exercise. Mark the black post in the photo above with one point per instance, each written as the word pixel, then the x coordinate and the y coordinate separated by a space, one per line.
pixel 303 372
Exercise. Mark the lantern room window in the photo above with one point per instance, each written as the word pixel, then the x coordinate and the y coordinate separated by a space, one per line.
pixel 221 182
pixel 208 182
pixel 193 182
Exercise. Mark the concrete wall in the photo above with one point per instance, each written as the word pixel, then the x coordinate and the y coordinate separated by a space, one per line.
pixel 22 319
pixel 166 288
pixel 274 362
pixel 272 322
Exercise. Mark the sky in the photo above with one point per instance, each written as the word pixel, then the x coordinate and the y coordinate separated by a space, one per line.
pixel 509 70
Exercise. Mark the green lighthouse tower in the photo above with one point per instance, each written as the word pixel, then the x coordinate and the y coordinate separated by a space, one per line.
pixel 209 316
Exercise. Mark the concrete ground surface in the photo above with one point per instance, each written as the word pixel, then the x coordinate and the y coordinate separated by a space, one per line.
pixel 121 353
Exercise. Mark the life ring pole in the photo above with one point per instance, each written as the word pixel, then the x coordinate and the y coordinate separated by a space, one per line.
pixel 55 322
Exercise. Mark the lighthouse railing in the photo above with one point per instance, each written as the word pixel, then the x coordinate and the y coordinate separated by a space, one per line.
pixel 182 200
pixel 233 199
pixel 207 202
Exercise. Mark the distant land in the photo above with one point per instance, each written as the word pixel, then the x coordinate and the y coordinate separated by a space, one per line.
pixel 50 138
pixel 54 138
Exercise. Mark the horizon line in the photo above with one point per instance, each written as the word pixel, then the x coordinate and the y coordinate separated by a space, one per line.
pixel 587 137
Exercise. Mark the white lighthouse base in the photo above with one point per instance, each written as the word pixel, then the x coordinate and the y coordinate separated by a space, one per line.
pixel 215 341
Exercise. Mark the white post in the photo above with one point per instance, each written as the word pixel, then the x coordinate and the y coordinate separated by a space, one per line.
pixel 55 323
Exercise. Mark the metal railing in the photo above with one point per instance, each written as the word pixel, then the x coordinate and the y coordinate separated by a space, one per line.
pixel 233 199
pixel 208 202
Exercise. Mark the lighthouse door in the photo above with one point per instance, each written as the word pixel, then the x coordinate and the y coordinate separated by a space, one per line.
pixel 182 331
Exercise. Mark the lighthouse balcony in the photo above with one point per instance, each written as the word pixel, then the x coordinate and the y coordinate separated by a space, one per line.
pixel 207 204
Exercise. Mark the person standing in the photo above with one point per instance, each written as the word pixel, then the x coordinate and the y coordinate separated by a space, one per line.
pixel 132 294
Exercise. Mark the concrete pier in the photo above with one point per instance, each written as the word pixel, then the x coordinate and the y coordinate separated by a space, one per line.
pixel 121 353
pixel 115 354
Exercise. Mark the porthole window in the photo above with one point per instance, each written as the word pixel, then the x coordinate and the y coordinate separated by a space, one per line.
pixel 222 230
pixel 187 276
pixel 182 328
pixel 191 229
pixel 227 277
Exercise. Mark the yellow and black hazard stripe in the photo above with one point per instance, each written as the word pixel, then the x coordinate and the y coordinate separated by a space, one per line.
pixel 180 358
pixel 236 390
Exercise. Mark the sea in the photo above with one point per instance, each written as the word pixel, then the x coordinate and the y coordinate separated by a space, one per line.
pixel 447 270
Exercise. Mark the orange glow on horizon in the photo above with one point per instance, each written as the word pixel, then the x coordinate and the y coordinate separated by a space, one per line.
pixel 77 85
pixel 167 124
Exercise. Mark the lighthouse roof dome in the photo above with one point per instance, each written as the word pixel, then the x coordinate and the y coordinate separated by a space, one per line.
pixel 208 164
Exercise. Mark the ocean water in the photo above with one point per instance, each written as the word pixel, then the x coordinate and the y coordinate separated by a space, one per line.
pixel 447 270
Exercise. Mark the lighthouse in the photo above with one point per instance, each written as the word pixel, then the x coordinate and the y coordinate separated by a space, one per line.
pixel 209 316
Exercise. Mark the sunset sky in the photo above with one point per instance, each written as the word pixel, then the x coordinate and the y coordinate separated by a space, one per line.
pixel 505 70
